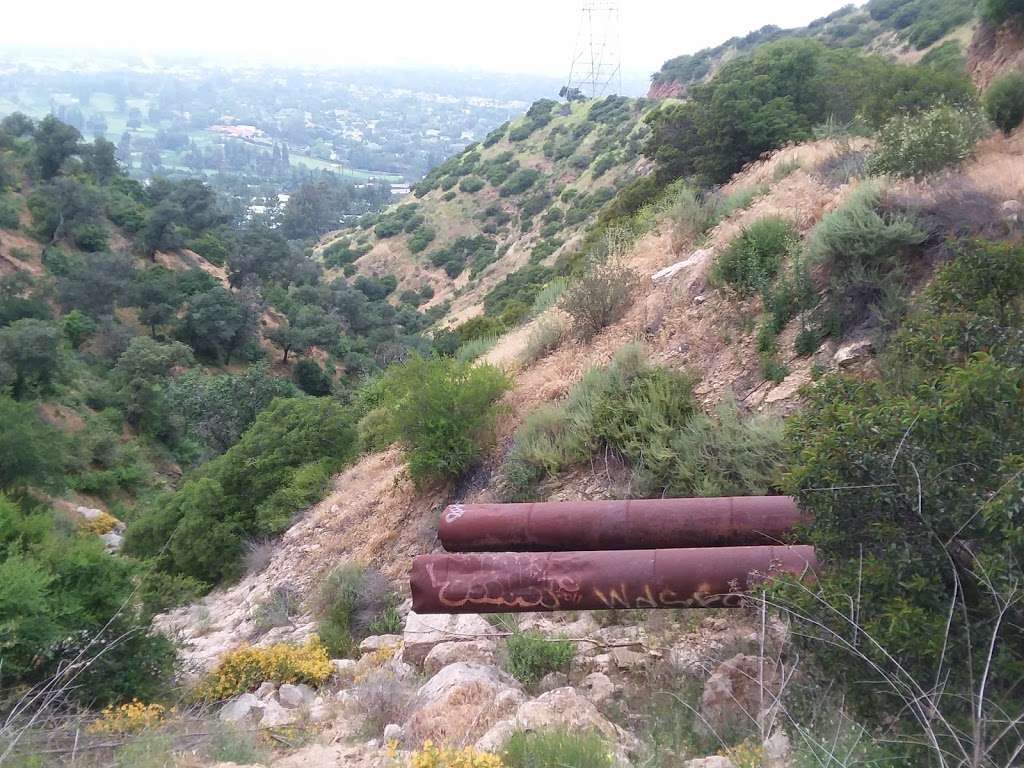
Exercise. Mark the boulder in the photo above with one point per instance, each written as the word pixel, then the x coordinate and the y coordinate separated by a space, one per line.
pixel 852 353
pixel 379 642
pixel 89 513
pixel 461 673
pixel 266 690
pixel 392 732
pixel 695 258
pixel 553 680
pixel 277 716
pixel 320 711
pixel 563 707
pixel 112 541
pixel 344 670
pixel 732 694
pixel 295 696
pixel 441 655
pixel 628 660
pixel 460 702
pixel 776 750
pixel 598 688
pixel 242 708
pixel 424 631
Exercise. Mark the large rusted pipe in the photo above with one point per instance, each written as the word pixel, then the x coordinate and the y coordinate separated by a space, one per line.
pixel 632 524
pixel 561 581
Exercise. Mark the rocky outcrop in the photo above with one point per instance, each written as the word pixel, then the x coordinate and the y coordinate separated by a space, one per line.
pixel 668 89
pixel 424 631
pixel 459 703
pixel 562 707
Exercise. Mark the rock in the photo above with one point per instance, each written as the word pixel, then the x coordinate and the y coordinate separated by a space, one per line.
pixel 424 631
pixel 560 707
pixel 598 688
pixel 241 708
pixel 853 352
pixel 463 672
pixel 88 512
pixel 1011 210
pixel 266 690
pixel 460 702
pixel 628 660
pixel 380 642
pixel 732 694
pixel 553 680
pixel 294 696
pixel 320 711
pixel 392 732
pixel 776 750
pixel 112 541
pixel 716 761
pixel 344 670
pixel 276 716
pixel 602 662
pixel 441 655
pixel 666 274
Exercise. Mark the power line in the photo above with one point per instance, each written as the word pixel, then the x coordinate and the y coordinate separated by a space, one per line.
pixel 596 68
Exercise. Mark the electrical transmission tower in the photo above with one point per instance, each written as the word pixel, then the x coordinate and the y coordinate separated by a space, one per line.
pixel 596 68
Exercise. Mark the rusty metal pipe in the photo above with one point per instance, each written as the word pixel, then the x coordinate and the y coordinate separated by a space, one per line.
pixel 632 524
pixel 562 581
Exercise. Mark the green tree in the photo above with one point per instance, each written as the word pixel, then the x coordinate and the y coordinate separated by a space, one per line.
pixel 1004 101
pixel 31 451
pixel 156 293
pixel 140 377
pixel 162 230
pixel 30 354
pixel 95 284
pixel 78 327
pixel 101 160
pixel 443 411
pixel 216 410
pixel 307 326
pixel 217 324
pixel 55 142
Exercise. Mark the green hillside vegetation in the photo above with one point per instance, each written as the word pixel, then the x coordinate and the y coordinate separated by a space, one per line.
pixel 887 24
pixel 132 381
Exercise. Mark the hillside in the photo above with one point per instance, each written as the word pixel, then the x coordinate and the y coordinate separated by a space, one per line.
pixel 805 279
pixel 512 204
pixel 906 29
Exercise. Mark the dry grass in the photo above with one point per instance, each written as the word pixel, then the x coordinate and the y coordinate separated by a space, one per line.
pixel 458 719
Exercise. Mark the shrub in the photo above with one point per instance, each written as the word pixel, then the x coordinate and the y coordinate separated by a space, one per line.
pixel 443 411
pixel 382 698
pixel 600 296
pixel 132 717
pixel 8 212
pixel 998 11
pixel 433 756
pixel 752 259
pixel 723 454
pixel 354 602
pixel 1004 101
pixel 531 655
pixel 631 408
pixel 519 182
pixel 523 285
pixel 692 214
pixel 557 747
pixel 919 145
pixel 310 378
pixel 471 184
pixel 245 668
pixel 931 453
pixel 280 466
pixel 420 238
pixel 545 336
pixel 865 249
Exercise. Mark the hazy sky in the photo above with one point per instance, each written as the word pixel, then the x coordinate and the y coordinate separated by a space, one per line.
pixel 535 36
